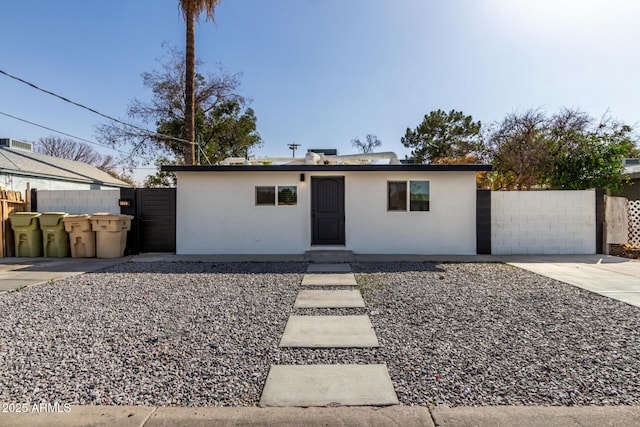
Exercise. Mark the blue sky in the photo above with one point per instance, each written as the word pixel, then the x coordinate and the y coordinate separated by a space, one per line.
pixel 321 72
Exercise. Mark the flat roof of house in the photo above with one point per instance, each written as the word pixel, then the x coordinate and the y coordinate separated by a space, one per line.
pixel 330 168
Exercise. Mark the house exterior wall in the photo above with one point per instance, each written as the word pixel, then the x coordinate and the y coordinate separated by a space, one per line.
pixel 79 201
pixel 217 214
pixel 19 183
pixel 543 222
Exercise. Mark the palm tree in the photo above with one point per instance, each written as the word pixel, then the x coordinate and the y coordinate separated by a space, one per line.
pixel 192 9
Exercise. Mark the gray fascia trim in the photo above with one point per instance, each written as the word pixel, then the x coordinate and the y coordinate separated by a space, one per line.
pixel 329 168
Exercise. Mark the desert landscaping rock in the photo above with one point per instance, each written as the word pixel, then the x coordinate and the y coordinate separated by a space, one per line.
pixel 205 334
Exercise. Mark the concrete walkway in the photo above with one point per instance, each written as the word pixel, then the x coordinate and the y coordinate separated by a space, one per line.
pixel 336 384
pixel 329 332
pixel 329 299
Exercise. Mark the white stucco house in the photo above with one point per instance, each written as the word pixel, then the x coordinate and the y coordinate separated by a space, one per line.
pixel 327 202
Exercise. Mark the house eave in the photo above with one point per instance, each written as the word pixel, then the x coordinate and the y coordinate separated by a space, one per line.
pixel 330 168
pixel 60 178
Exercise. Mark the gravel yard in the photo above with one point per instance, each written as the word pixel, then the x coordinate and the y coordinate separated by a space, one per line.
pixel 205 334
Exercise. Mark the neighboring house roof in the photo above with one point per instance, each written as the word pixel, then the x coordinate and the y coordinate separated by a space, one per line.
pixel 633 172
pixel 27 163
pixel 320 162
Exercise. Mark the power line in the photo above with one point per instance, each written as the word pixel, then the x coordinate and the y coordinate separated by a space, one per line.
pixel 294 147
pixel 78 138
pixel 64 133
pixel 95 111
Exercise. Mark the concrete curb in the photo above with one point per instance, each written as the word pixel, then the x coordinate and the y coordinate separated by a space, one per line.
pixel 522 416
pixel 128 416
pixel 534 416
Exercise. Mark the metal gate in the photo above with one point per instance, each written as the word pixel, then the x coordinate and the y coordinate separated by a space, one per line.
pixel 154 226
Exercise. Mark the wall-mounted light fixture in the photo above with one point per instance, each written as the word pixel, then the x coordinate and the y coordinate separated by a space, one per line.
pixel 301 177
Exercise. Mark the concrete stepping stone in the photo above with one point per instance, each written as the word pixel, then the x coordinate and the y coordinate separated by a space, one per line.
pixel 329 332
pixel 329 279
pixel 328 385
pixel 329 299
pixel 329 268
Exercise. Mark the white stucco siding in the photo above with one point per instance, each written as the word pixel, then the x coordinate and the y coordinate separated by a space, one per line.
pixel 216 214
pixel 449 227
pixel 19 183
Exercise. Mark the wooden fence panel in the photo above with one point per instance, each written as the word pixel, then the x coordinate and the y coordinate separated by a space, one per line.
pixel 616 220
pixel 10 202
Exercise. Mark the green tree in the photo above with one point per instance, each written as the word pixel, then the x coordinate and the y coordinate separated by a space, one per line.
pixel 161 178
pixel 371 142
pixel 191 10
pixel 568 150
pixel 229 131
pixel 588 155
pixel 224 125
pixel 442 135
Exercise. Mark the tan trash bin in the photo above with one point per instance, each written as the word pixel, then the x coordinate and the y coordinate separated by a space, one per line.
pixel 26 234
pixel 82 238
pixel 55 241
pixel 111 233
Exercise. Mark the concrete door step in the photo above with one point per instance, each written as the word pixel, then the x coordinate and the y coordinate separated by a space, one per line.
pixel 329 332
pixel 328 385
pixel 329 268
pixel 329 299
pixel 330 279
pixel 320 256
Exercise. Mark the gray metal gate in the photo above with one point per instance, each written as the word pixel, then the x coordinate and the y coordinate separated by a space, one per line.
pixel 154 226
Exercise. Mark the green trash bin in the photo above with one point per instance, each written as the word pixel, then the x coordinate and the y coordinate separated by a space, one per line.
pixel 55 239
pixel 26 234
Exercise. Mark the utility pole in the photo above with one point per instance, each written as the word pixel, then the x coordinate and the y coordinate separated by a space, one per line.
pixel 293 148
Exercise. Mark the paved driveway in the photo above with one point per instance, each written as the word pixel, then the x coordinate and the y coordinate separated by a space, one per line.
pixel 16 273
pixel 614 277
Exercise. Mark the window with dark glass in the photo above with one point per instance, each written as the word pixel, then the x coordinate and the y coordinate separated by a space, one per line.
pixel 265 196
pixel 287 195
pixel 419 195
pixel 397 195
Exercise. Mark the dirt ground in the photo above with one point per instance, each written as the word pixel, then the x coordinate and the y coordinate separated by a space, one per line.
pixel 625 251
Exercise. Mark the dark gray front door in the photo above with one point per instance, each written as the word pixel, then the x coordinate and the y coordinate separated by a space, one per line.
pixel 327 210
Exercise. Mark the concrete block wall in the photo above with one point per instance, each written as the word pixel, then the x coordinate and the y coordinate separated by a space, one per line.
pixel 78 201
pixel 543 222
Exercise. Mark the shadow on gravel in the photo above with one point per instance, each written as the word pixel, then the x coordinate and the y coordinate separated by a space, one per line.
pixel 397 267
pixel 208 267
